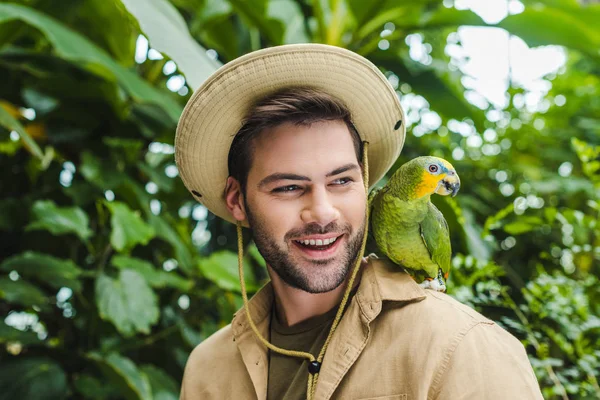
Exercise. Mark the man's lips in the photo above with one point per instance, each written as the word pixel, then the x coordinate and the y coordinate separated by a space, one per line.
pixel 318 240
pixel 319 251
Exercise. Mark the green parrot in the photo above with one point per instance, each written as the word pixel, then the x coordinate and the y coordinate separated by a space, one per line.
pixel 405 225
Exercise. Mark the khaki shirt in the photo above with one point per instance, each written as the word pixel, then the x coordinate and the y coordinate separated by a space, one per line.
pixel 396 341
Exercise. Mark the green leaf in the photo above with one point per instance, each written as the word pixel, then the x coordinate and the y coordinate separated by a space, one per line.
pixel 167 32
pixel 9 334
pixel 163 386
pixel 255 14
pixel 253 252
pixel 288 12
pixel 542 25
pixel 76 48
pixel 91 388
pixel 523 225
pixel 32 378
pixel 221 268
pixel 155 277
pixel 550 214
pixel 109 25
pixel 21 292
pixel 124 373
pixel 517 228
pixel 128 302
pixel 364 11
pixel 59 220
pixel 47 269
pixel 128 228
pixel 589 155
pixel 10 123
pixel 179 241
pixel 101 173
pixel 129 147
pixel 444 17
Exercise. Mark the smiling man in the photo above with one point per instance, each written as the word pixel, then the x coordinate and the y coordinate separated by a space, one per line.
pixel 282 141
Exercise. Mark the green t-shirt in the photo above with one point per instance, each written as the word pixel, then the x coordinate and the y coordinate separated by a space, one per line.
pixel 288 376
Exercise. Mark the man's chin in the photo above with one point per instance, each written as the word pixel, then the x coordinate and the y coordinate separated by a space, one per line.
pixel 316 276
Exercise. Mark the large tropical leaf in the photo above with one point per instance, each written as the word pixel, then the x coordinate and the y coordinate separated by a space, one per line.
pixel 573 27
pixel 167 32
pixel 128 302
pixel 76 48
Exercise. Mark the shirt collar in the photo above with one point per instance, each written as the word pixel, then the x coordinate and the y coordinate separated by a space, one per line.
pixel 381 281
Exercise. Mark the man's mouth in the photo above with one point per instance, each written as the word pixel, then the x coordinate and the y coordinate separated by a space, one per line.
pixel 318 246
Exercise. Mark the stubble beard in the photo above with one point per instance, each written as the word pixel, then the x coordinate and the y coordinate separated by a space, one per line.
pixel 319 276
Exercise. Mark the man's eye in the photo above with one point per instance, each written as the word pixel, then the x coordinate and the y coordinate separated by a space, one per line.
pixel 342 181
pixel 286 189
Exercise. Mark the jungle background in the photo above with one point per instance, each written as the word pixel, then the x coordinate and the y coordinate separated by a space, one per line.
pixel 110 272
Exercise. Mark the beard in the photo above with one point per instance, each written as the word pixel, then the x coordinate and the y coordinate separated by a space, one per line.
pixel 316 276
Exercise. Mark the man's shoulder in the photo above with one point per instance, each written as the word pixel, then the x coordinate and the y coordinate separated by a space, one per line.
pixel 441 319
pixel 405 302
pixel 442 304
pixel 219 345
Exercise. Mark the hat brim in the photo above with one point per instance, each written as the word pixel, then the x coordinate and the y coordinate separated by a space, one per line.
pixel 215 112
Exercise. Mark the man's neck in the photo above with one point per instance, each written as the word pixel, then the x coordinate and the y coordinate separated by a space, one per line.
pixel 293 305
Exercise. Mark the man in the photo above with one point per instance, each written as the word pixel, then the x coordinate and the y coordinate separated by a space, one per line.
pixel 281 140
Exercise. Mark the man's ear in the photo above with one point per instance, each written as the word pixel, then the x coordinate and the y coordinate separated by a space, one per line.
pixel 235 199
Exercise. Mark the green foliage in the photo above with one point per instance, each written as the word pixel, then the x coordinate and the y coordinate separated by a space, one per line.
pixel 128 228
pixel 110 273
pixel 128 302
pixel 32 378
pixel 59 220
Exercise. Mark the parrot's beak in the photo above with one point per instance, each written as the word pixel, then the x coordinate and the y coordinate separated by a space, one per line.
pixel 449 185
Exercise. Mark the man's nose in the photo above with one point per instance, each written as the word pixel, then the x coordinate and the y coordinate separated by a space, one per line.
pixel 319 208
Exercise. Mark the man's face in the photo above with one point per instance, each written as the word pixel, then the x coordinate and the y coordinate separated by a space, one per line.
pixel 305 202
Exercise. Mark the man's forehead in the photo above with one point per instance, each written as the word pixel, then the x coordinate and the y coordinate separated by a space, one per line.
pixel 321 144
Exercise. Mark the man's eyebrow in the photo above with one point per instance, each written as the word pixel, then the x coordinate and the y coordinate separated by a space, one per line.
pixel 278 176
pixel 344 168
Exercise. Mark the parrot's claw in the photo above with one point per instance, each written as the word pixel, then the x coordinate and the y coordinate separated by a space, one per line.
pixel 437 285
pixel 433 284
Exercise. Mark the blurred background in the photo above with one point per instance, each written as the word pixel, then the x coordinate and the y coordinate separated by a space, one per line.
pixel 110 272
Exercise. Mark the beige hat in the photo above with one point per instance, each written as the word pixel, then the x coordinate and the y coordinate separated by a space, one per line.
pixel 215 112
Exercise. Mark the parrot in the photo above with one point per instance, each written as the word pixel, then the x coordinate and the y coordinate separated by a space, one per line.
pixel 407 228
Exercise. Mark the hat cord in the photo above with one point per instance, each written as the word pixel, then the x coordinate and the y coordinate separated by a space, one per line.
pixel 314 363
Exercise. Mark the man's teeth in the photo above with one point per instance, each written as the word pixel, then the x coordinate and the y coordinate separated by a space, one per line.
pixel 317 242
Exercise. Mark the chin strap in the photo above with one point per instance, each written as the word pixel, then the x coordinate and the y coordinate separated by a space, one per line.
pixel 314 364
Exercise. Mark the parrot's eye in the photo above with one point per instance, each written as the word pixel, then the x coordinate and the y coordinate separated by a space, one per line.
pixel 433 168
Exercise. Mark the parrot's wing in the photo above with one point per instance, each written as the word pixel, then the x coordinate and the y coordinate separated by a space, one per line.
pixel 436 236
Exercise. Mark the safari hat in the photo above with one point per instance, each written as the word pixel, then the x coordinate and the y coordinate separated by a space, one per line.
pixel 216 110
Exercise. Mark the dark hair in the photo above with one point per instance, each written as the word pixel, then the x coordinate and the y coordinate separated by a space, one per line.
pixel 299 106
